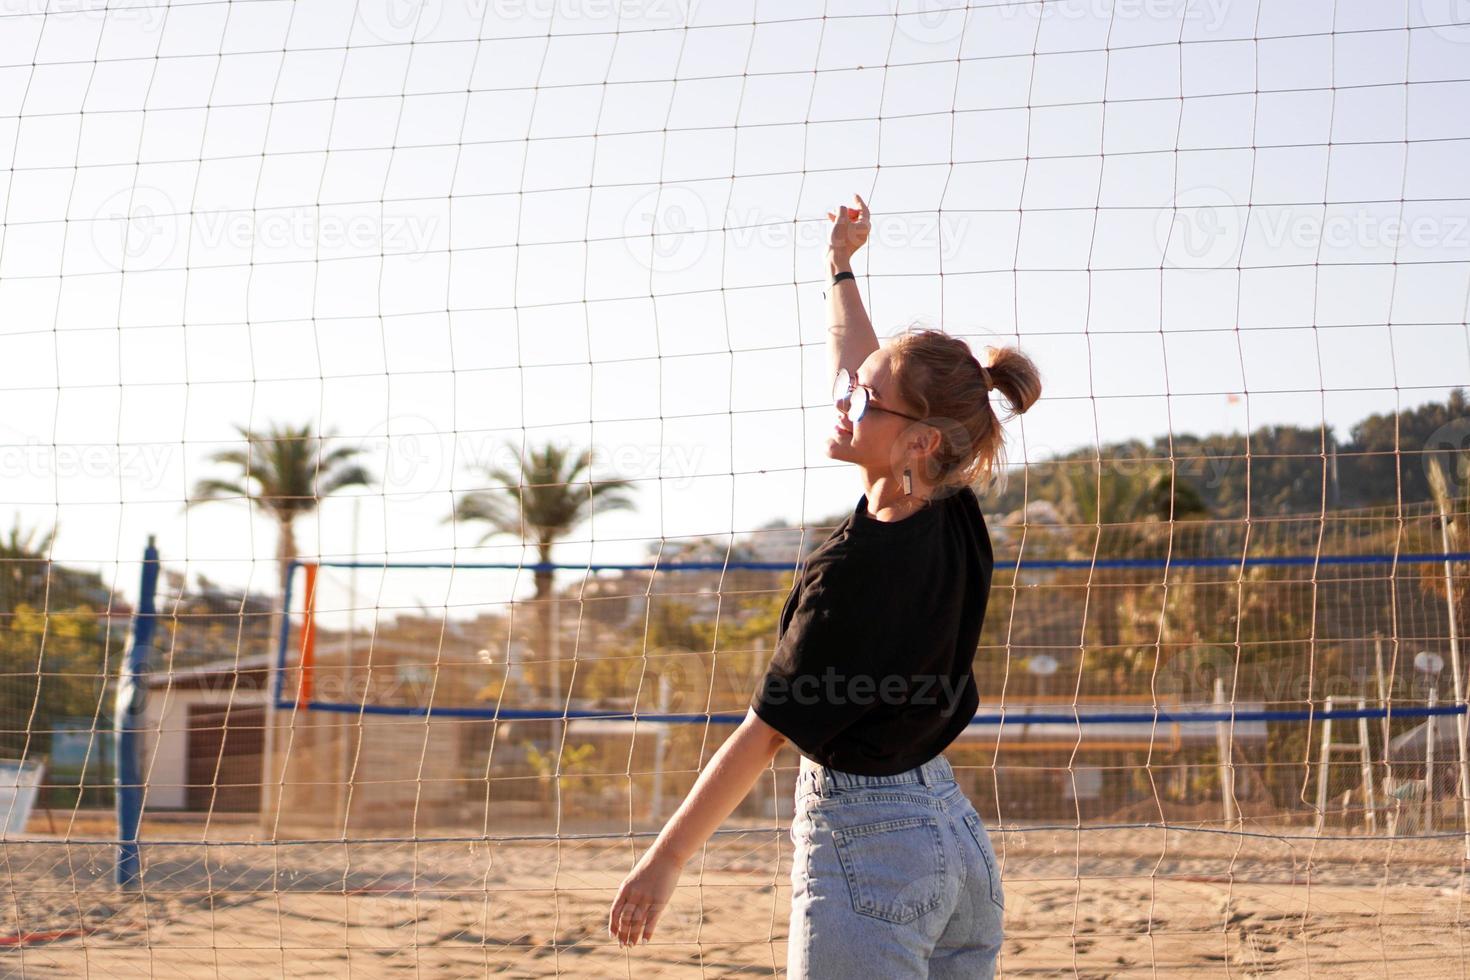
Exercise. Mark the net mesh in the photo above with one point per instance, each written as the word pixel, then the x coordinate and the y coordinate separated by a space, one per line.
pixel 467 364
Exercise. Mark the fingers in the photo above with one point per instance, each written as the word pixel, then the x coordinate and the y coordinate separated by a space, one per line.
pixel 631 928
pixel 627 913
pixel 633 922
pixel 622 912
pixel 612 916
pixel 653 917
pixel 615 920
pixel 863 207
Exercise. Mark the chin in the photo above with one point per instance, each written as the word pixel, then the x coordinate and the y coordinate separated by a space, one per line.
pixel 837 450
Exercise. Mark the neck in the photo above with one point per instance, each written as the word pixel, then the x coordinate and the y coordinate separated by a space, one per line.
pixel 888 502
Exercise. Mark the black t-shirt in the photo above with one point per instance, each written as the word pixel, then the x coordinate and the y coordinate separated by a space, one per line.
pixel 872 668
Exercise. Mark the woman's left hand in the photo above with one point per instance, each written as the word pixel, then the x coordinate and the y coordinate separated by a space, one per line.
pixel 643 896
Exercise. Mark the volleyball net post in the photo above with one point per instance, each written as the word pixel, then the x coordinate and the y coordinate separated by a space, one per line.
pixel 129 710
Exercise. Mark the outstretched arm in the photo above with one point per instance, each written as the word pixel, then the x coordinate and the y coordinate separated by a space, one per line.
pixel 731 772
pixel 850 336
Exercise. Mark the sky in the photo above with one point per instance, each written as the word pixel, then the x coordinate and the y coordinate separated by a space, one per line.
pixel 437 229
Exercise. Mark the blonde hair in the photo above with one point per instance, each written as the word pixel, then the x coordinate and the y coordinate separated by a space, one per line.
pixel 940 376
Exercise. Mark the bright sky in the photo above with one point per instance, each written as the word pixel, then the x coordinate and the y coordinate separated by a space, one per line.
pixel 438 227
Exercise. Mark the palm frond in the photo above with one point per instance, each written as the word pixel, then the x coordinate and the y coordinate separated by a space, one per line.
pixel 552 493
pixel 27 548
pixel 216 489
pixel 350 475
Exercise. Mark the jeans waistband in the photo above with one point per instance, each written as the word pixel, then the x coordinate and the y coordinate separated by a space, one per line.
pixel 823 779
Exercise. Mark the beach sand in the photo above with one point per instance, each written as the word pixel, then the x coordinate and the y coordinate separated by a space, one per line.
pixel 1104 902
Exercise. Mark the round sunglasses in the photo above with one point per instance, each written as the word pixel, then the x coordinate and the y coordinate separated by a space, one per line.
pixel 861 397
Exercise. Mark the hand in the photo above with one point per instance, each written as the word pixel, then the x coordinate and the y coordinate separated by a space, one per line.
pixel 643 896
pixel 850 228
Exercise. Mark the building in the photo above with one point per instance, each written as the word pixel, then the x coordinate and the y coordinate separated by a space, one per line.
pixel 204 737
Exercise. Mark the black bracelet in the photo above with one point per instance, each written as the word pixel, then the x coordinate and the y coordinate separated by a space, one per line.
pixel 841 276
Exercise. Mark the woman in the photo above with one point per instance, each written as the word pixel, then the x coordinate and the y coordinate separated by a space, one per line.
pixel 894 874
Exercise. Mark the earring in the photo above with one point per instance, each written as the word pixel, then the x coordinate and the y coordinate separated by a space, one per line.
pixel 908 481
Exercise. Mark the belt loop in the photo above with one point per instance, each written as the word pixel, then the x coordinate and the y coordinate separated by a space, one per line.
pixel 924 774
pixel 819 776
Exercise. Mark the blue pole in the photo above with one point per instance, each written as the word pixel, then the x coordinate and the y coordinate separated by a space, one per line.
pixel 280 670
pixel 132 698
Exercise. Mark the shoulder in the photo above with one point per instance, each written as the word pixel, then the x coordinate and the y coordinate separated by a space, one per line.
pixel 965 496
pixel 965 512
pixel 847 566
pixel 961 503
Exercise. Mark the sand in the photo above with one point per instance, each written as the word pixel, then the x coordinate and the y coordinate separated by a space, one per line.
pixel 1102 902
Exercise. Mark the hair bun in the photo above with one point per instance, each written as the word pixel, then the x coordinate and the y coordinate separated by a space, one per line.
pixel 985 375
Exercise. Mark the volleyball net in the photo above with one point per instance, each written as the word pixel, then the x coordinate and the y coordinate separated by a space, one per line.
pixel 465 368
pixel 444 713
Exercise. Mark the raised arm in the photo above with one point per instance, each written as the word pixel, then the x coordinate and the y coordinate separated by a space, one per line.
pixel 850 336
pixel 724 782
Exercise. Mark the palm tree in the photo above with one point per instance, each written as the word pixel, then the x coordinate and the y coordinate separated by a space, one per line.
pixel 551 495
pixel 24 562
pixel 285 472
pixel 1127 509
pixel 1447 489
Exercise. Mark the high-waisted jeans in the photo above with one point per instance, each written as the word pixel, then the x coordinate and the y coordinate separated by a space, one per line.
pixel 893 876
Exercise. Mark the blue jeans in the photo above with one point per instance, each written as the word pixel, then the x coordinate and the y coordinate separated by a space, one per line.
pixel 893 876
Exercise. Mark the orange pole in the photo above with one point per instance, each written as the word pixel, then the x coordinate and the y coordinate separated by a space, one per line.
pixel 308 638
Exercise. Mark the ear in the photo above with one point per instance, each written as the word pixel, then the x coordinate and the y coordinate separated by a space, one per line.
pixel 928 442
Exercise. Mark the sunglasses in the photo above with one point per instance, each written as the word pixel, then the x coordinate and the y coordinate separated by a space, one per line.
pixel 861 397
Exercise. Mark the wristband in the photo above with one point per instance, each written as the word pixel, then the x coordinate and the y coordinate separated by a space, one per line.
pixel 841 276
